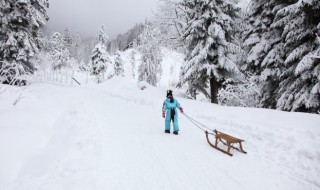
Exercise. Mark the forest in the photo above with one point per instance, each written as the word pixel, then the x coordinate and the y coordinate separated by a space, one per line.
pixel 266 55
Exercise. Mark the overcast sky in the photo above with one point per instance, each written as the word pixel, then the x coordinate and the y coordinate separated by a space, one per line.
pixel 86 16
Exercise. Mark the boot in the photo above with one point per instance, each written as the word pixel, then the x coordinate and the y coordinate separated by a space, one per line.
pixel 167 131
pixel 175 132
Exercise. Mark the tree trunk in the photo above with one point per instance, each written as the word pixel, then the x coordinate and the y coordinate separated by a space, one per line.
pixel 214 90
pixel 194 94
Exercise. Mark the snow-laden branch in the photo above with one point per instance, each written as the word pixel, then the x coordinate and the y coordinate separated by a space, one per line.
pixel 313 56
pixel 318 41
pixel 237 98
pixel 316 56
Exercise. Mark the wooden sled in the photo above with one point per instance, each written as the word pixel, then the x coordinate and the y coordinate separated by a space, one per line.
pixel 227 140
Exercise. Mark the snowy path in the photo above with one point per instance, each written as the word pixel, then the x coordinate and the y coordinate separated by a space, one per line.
pixel 98 138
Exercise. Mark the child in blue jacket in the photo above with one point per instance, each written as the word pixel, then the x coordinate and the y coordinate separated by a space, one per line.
pixel 169 112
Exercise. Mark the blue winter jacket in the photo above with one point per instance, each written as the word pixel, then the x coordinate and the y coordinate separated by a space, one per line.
pixel 168 107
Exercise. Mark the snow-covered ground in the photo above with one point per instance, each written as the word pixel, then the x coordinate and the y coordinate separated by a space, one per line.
pixel 57 135
pixel 111 136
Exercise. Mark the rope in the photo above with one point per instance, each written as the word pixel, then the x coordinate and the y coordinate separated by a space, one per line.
pixel 197 123
pixel 190 118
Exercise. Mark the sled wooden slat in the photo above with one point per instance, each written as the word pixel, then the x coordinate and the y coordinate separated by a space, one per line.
pixel 229 142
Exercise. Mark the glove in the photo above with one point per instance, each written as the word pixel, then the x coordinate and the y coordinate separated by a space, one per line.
pixel 163 114
pixel 181 109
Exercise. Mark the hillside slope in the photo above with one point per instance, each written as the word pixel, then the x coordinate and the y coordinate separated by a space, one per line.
pixel 111 136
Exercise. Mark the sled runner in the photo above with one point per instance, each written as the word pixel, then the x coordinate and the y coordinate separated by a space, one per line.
pixel 227 140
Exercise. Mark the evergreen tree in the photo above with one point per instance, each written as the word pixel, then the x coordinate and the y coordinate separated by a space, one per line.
pixel 150 68
pixel 299 89
pixel 20 36
pixel 77 48
pixel 67 40
pixel 133 63
pixel 46 47
pixel 211 45
pixel 100 57
pixel 59 53
pixel 118 65
pixel 102 37
pixel 265 48
pixel 282 50
pixel 125 41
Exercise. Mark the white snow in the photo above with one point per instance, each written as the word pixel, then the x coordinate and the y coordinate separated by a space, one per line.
pixel 111 136
pixel 58 135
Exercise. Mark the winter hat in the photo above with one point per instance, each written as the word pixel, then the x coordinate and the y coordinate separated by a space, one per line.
pixel 169 93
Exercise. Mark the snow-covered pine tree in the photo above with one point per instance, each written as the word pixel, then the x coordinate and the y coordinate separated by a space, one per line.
pixel 265 48
pixel 102 36
pixel 211 45
pixel 118 65
pixel 150 67
pixel 124 41
pixel 133 62
pixel 299 89
pixel 100 58
pixel 67 40
pixel 76 48
pixel 46 41
pixel 59 53
pixel 20 36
